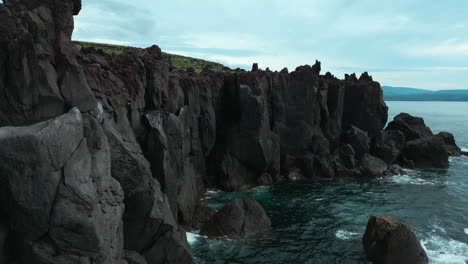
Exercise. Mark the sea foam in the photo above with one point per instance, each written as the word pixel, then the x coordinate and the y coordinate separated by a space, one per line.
pixel 445 251
pixel 406 179
pixel 192 237
pixel 347 235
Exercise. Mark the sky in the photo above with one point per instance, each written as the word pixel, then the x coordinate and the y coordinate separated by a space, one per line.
pixel 410 43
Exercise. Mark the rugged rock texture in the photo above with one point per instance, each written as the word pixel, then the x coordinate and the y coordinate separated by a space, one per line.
pixel 412 127
pixel 450 145
pixel 390 240
pixel 126 168
pixel 422 149
pixel 58 195
pixel 388 144
pixel 238 219
pixel 427 153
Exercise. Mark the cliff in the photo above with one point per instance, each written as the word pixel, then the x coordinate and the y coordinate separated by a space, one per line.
pixel 105 157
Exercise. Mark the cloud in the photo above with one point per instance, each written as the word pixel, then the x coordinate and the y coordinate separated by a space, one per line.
pixel 452 47
pixel 226 41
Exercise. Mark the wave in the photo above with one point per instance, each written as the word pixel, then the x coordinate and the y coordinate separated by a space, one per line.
pixel 406 179
pixel 192 237
pixel 347 235
pixel 466 231
pixel 445 251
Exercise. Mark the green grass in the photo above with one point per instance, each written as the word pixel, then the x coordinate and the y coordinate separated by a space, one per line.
pixel 107 48
pixel 178 62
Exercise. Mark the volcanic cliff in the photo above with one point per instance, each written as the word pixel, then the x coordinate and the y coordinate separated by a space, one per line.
pixel 104 158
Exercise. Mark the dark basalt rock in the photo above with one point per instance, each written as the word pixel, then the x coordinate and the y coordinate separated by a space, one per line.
pixel 450 145
pixel 255 67
pixel 57 191
pixel 387 145
pixel 371 166
pixel 426 153
pixel 359 141
pixel 412 127
pixel 146 142
pixel 133 257
pixel 364 106
pixel 238 219
pixel 390 240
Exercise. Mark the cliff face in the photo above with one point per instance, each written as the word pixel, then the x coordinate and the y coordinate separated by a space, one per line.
pixel 106 157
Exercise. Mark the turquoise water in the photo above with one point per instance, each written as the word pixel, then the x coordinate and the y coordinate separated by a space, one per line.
pixel 323 222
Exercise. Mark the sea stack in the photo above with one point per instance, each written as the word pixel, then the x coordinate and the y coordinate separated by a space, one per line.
pixel 388 240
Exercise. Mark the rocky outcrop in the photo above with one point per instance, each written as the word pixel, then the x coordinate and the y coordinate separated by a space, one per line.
pixel 364 106
pixel 388 144
pixel 390 240
pixel 427 153
pixel 238 219
pixel 58 195
pixel 412 127
pixel 450 145
pixel 124 170
pixel 422 149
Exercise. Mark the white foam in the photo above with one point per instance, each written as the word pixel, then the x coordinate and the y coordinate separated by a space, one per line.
pixel 445 251
pixel 192 238
pixel 347 235
pixel 406 179
pixel 212 192
pixel 466 231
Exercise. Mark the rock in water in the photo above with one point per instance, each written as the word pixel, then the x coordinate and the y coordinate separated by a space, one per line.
pixel 388 240
pixel 238 219
pixel 450 145
pixel 413 127
pixel 427 153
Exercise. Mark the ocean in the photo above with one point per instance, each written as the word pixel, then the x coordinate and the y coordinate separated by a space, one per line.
pixel 323 222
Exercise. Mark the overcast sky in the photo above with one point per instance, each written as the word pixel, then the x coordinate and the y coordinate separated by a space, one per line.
pixel 415 43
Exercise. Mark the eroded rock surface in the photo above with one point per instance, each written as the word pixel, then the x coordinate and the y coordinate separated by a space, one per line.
pixel 390 240
pixel 105 154
pixel 238 219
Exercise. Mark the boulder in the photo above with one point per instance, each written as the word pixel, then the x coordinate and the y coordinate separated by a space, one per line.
pixel 412 127
pixel 426 153
pixel 390 240
pixel 450 144
pixel 359 141
pixel 238 219
pixel 371 166
pixel 387 145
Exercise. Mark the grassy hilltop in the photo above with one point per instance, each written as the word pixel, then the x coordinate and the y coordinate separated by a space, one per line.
pixel 178 62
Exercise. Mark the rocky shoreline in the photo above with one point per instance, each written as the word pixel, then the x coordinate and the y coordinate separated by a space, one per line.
pixel 104 158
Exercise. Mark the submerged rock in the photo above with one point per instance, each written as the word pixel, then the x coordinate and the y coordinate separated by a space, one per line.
pixel 388 240
pixel 238 219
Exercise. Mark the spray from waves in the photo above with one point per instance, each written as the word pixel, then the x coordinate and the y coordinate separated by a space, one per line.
pixel 466 231
pixel 192 238
pixel 406 179
pixel 445 251
pixel 347 235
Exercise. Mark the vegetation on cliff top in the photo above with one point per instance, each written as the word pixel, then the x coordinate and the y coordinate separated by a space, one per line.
pixel 178 62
